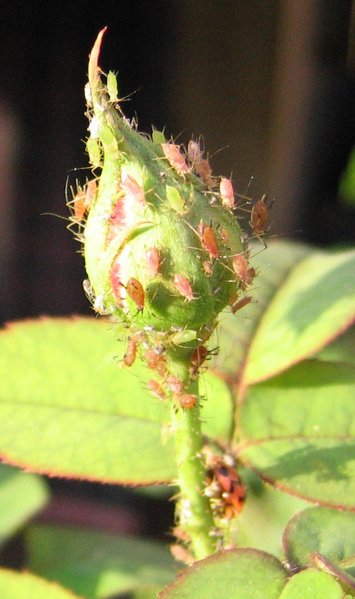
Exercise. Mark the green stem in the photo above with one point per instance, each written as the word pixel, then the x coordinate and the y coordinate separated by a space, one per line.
pixel 193 507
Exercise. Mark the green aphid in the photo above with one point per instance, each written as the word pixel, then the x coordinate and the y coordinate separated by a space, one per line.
pixel 94 150
pixel 112 87
pixel 176 201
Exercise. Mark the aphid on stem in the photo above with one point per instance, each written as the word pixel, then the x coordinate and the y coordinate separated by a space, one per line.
pixel 131 352
pixel 156 389
pixel 238 305
pixel 183 286
pixel 227 193
pixel 153 261
pixel 198 356
pixel 176 158
pixel 136 292
pixel 187 401
pixel 208 239
pixel 259 216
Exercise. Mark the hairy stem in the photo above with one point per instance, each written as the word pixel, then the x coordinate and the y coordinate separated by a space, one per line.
pixel 193 508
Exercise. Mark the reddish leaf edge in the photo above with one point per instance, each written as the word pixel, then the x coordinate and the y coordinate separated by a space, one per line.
pixel 216 558
pixel 8 326
pixel 30 469
pixel 285 488
pixel 315 349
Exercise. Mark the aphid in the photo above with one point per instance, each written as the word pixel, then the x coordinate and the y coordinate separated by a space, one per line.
pixel 136 292
pixel 175 200
pixel 156 389
pixel 181 554
pixel 153 261
pixel 186 400
pixel 207 267
pixel 176 158
pixel 200 165
pixel 250 275
pixel 208 239
pixel 156 361
pixel 79 205
pixel 225 235
pixel 183 286
pixel 194 151
pixel 232 488
pixel 133 191
pixel 240 304
pixel 131 352
pixel 240 267
pixel 259 216
pixel 198 356
pixel 174 384
pixel 93 148
pixel 112 87
pixel 227 193
pixel 204 171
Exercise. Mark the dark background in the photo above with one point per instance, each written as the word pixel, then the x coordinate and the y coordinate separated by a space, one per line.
pixel 269 85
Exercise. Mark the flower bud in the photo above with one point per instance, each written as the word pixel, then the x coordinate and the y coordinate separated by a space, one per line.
pixel 159 240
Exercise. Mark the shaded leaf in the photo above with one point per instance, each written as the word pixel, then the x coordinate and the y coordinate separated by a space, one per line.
pixel 21 496
pixel 312 584
pixel 302 299
pixel 66 408
pixel 322 470
pixel 97 564
pixel 315 304
pixel 237 574
pixel 235 332
pixel 265 514
pixel 298 430
pixel 342 349
pixel 16 585
pixel 320 530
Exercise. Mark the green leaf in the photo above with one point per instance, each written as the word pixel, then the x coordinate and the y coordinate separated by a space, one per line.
pixel 298 431
pixel 97 564
pixel 302 299
pixel 238 574
pixel 15 585
pixel 315 304
pixel 312 584
pixel 342 349
pixel 21 496
pixel 66 408
pixel 265 514
pixel 235 332
pixel 320 530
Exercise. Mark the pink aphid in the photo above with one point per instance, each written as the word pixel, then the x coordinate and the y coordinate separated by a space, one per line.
pixel 133 191
pixel 176 158
pixel 153 261
pixel 183 286
pixel 240 267
pixel 208 239
pixel 156 389
pixel 194 152
pixel 227 193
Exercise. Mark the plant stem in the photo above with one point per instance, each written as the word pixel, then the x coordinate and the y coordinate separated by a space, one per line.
pixel 193 507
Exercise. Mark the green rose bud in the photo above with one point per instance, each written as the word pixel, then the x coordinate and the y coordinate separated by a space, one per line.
pixel 163 250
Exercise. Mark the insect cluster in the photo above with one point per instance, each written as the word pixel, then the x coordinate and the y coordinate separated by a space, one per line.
pixel 163 247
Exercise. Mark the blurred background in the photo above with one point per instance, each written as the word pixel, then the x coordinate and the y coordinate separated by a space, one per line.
pixel 269 85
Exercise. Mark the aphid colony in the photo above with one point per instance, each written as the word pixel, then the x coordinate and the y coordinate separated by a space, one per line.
pixel 168 385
